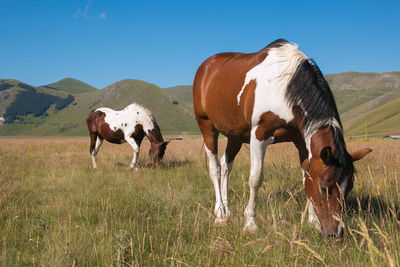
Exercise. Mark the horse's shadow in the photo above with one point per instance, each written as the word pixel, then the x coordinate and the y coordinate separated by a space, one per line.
pixel 372 205
pixel 168 164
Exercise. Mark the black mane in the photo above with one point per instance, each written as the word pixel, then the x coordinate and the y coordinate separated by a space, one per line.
pixel 309 91
pixel 275 44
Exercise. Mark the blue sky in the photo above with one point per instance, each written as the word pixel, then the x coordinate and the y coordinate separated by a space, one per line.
pixel 163 42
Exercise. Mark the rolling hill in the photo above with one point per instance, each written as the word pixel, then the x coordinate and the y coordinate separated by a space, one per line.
pixel 369 100
pixel 359 97
pixel 173 116
pixel 183 92
pixel 71 85
pixel 22 103
pixel 382 120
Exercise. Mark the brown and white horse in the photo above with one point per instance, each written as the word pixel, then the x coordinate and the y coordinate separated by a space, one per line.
pixel 129 125
pixel 274 95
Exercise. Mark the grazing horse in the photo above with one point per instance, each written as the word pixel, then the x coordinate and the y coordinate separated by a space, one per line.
pixel 129 125
pixel 274 95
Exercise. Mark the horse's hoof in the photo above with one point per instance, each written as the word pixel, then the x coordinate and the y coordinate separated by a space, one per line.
pixel 221 221
pixel 250 228
pixel 250 225
pixel 133 168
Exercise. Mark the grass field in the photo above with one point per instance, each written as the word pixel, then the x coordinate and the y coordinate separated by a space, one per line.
pixel 55 210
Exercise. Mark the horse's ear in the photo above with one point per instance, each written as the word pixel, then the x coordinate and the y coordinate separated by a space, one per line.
pixel 166 143
pixel 326 155
pixel 359 154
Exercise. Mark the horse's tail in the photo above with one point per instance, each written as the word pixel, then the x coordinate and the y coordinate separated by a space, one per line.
pixel 92 127
pixel 91 121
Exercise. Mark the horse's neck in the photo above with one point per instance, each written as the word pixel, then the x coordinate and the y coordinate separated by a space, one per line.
pixel 154 134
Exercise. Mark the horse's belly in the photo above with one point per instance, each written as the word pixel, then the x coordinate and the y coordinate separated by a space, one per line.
pixel 233 128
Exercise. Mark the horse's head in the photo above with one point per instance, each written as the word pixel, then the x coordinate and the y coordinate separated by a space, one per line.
pixel 156 152
pixel 328 178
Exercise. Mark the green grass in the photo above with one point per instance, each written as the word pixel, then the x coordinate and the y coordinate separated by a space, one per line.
pixel 55 210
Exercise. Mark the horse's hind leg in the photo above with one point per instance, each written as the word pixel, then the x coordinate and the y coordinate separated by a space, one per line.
pixel 136 151
pixel 95 143
pixel 210 136
pixel 232 148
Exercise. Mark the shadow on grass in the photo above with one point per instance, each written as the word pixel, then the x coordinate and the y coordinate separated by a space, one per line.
pixel 372 205
pixel 164 164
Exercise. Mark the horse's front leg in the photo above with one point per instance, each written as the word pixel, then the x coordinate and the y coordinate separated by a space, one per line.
pixel 257 153
pixel 136 151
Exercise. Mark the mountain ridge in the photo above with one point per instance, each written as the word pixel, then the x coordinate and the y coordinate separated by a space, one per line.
pixel 356 95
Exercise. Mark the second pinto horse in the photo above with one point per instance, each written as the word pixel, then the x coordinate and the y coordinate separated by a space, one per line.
pixel 129 125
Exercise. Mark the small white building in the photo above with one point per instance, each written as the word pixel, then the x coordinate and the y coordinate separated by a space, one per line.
pixel 2 120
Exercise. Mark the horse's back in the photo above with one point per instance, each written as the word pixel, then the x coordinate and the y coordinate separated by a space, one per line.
pixel 216 86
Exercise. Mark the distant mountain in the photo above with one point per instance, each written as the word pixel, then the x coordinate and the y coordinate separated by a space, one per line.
pixel 173 116
pixel 71 85
pixel 359 97
pixel 355 89
pixel 22 103
pixel 364 100
pixel 382 120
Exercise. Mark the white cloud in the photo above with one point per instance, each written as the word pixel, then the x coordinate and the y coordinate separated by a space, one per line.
pixel 103 15
pixel 82 14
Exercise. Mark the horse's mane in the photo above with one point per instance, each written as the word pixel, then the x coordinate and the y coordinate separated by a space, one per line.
pixel 309 91
pixel 143 109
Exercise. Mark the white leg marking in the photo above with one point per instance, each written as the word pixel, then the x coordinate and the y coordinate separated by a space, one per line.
pixel 343 185
pixel 340 228
pixel 215 175
pixel 257 153
pixel 312 216
pixel 99 141
pixel 225 171
pixel 136 150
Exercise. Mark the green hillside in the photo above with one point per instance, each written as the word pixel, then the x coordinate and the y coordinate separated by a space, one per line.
pixel 353 89
pixel 356 94
pixel 362 98
pixel 172 115
pixel 8 89
pixel 23 103
pixel 183 92
pixel 385 118
pixel 71 85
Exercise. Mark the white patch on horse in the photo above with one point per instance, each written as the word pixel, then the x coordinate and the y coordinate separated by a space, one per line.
pixel 312 216
pixel 257 153
pixel 343 185
pixel 122 119
pixel 226 168
pixel 272 77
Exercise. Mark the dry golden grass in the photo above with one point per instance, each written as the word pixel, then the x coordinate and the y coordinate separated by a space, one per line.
pixel 55 210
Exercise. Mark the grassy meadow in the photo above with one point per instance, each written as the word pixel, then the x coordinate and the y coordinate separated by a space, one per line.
pixel 55 210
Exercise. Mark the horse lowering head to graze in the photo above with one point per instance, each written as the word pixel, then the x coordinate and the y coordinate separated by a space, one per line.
pixel 129 125
pixel 274 95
